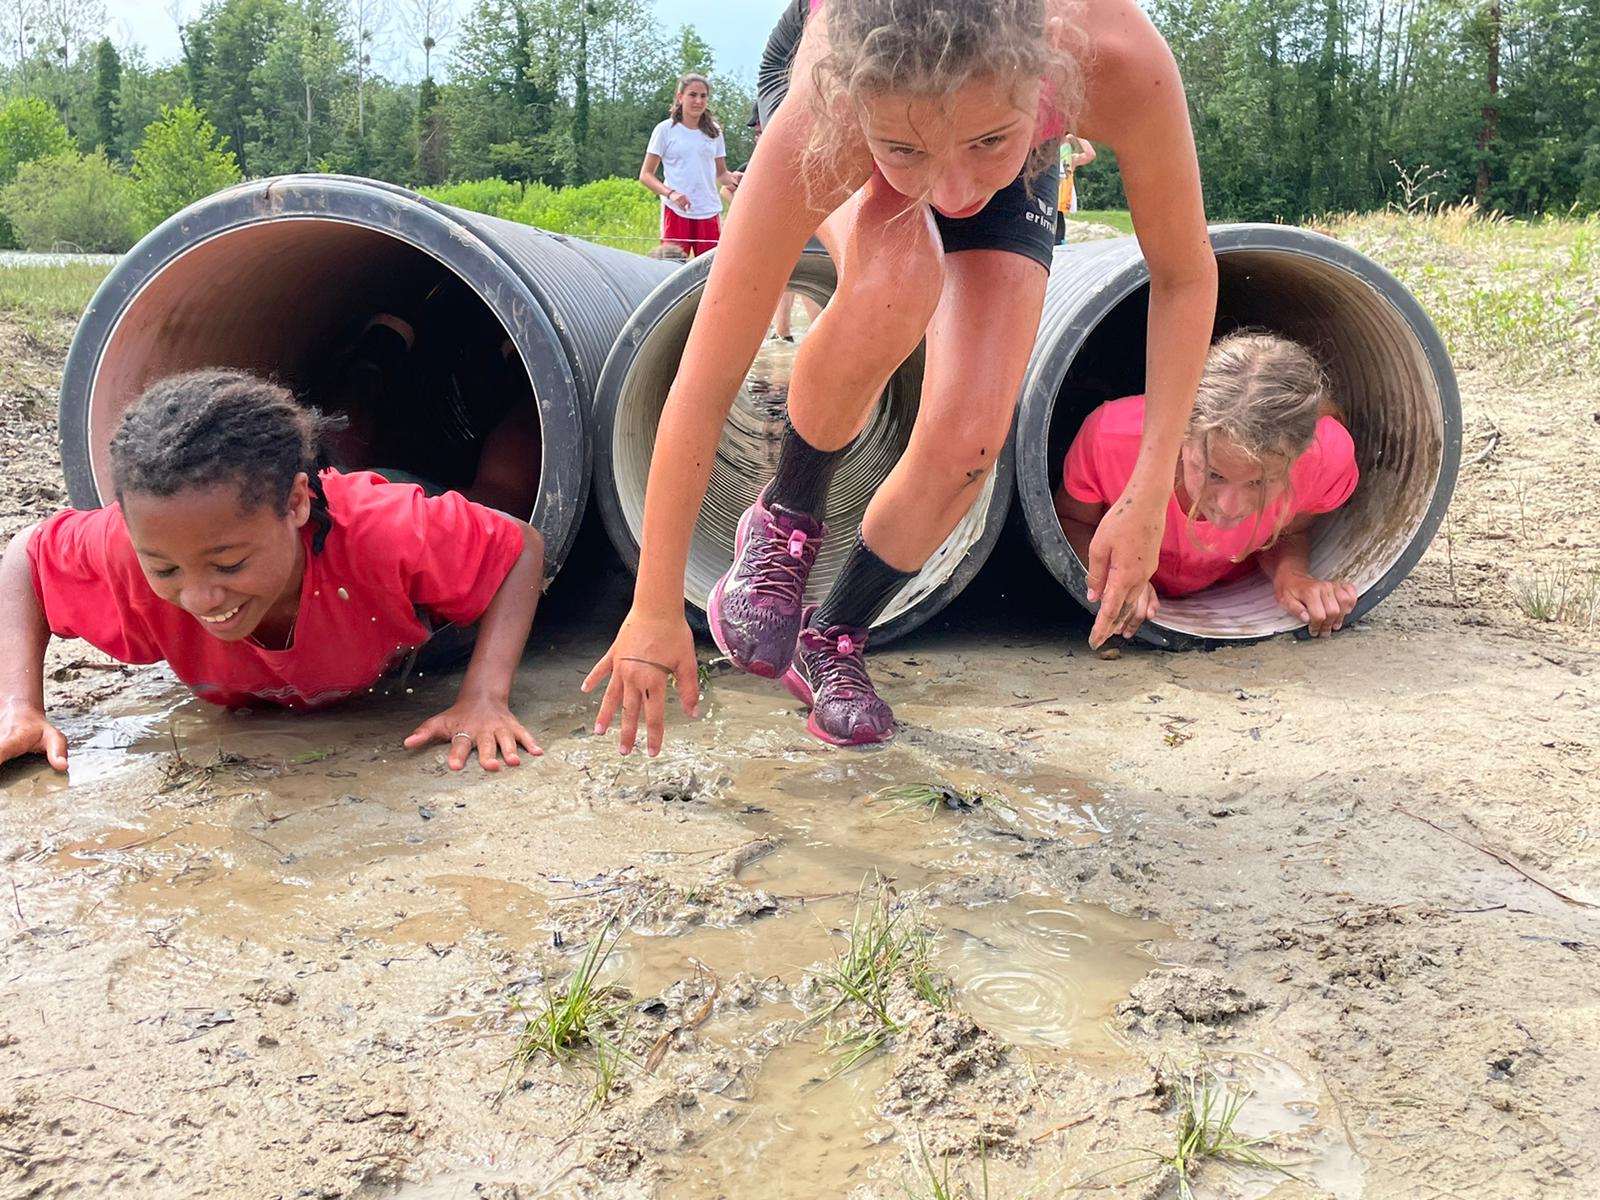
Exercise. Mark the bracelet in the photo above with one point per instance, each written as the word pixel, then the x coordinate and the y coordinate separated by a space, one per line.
pixel 649 662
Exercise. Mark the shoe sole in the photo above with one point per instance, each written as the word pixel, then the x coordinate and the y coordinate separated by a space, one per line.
pixel 801 691
pixel 714 609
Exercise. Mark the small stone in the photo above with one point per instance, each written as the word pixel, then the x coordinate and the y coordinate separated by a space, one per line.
pixel 1109 654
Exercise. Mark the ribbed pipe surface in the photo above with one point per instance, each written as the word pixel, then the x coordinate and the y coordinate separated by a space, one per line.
pixel 1391 378
pixel 270 275
pixel 633 391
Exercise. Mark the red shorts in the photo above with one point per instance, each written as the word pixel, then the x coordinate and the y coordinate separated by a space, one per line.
pixel 695 235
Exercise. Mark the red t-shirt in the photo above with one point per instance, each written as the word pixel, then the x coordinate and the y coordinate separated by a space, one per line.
pixel 1101 461
pixel 392 552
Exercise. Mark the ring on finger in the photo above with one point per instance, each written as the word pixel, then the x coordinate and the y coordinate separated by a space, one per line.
pixel 462 734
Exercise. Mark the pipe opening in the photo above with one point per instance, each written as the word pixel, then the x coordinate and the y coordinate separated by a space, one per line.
pixel 356 321
pixel 1390 394
pixel 635 393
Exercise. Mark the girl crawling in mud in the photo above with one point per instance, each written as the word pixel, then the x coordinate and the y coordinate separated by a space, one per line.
pixel 257 577
pixel 1263 455
pixel 917 139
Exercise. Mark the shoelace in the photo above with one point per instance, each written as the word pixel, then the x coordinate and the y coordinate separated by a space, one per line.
pixel 781 563
pixel 841 664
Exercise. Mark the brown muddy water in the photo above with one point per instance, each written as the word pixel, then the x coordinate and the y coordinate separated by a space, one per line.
pixel 213 843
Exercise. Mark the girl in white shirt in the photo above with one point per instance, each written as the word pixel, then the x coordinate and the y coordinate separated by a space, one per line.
pixel 690 147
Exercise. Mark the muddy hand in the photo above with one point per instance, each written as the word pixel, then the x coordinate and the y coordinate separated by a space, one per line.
pixel 1322 604
pixel 649 654
pixel 24 730
pixel 477 724
pixel 1123 555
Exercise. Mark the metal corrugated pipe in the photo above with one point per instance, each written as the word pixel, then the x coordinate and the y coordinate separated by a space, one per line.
pixel 1391 378
pixel 269 275
pixel 633 390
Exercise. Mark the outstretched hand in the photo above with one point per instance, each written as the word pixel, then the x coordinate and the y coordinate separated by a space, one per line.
pixel 1123 555
pixel 25 730
pixel 477 722
pixel 649 654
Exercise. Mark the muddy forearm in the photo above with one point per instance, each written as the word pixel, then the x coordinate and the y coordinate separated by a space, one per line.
pixel 503 629
pixel 24 632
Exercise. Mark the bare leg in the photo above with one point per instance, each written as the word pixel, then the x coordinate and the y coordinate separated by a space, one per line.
pixel 891 271
pixel 978 347
pixel 781 322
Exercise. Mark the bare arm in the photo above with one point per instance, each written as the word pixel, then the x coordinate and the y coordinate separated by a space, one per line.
pixel 649 177
pixel 481 715
pixel 1079 519
pixel 748 275
pixel 727 181
pixel 1322 604
pixel 24 635
pixel 1136 105
pixel 1084 154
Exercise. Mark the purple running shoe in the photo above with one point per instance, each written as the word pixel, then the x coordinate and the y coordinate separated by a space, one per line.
pixel 830 675
pixel 754 610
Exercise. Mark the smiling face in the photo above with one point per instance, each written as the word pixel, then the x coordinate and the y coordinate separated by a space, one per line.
pixel 1229 484
pixel 235 570
pixel 695 98
pixel 955 151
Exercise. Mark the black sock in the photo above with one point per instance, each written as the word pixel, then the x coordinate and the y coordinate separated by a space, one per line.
pixel 862 591
pixel 804 473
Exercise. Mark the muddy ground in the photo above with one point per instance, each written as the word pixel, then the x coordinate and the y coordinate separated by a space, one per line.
pixel 257 955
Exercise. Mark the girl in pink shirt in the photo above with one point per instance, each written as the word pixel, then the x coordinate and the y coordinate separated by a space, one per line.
pixel 1262 456
pixel 256 577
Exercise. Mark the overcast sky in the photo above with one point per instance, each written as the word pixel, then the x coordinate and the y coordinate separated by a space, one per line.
pixel 736 29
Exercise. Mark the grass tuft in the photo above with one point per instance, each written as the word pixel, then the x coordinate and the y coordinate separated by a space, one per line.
pixel 929 798
pixel 1567 595
pixel 583 1014
pixel 888 944
pixel 933 1183
pixel 1207 1111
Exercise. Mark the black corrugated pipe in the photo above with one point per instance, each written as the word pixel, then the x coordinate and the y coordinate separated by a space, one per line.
pixel 1391 377
pixel 278 275
pixel 633 390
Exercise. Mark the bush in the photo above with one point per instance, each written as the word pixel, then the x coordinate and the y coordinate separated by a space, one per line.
pixel 29 131
pixel 71 200
pixel 492 196
pixel 180 160
pixel 614 212
pixel 608 210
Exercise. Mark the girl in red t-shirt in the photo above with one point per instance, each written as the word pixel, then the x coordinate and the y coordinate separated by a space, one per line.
pixel 228 555
pixel 1262 456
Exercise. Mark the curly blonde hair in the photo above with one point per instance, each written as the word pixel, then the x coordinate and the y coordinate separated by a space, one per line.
pixel 1264 394
pixel 934 48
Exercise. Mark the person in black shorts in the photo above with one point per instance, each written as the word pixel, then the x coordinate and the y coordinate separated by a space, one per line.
pixel 918 140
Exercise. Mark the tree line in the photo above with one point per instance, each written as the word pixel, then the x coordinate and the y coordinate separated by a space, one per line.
pixel 1300 107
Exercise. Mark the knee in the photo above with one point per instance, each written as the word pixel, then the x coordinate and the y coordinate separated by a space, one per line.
pixel 955 457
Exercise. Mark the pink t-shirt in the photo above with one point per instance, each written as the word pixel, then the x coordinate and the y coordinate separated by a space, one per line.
pixel 1101 461
pixel 393 555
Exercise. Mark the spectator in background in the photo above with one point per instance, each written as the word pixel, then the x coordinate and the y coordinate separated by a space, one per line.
pixel 688 149
pixel 1075 153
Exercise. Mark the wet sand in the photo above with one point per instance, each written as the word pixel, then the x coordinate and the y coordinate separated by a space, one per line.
pixel 263 955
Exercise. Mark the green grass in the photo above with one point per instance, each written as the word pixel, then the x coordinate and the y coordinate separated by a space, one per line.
pixel 933 1183
pixel 1517 296
pixel 929 798
pixel 888 944
pixel 1207 1111
pixel 583 1014
pixel 33 294
pixel 1105 216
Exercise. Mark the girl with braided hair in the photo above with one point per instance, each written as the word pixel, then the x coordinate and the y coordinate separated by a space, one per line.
pixel 258 577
